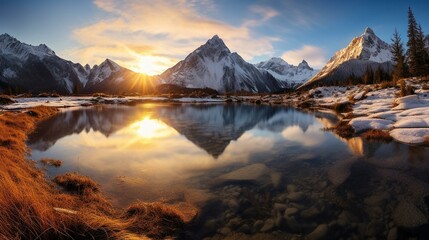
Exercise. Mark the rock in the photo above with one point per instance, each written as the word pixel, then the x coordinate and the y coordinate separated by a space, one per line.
pixel 322 185
pixel 376 200
pixel 276 178
pixel 310 213
pixel 225 231
pixel 345 218
pixel 293 225
pixel 295 196
pixel 374 228
pixel 290 211
pixel 318 233
pixel 251 172
pixel 279 207
pixel 407 215
pixel 258 225
pixel 393 234
pixel 244 229
pixel 291 188
pixel 268 225
pixel 235 222
pixel 279 221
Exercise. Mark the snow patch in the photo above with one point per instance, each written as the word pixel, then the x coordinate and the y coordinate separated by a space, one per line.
pixel 9 73
pixel 411 136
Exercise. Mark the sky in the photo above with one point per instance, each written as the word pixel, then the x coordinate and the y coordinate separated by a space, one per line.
pixel 149 36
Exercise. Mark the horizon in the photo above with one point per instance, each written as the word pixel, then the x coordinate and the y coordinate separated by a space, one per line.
pixel 138 36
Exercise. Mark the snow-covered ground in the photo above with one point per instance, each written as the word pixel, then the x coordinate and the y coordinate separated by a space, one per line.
pixel 406 118
pixel 63 102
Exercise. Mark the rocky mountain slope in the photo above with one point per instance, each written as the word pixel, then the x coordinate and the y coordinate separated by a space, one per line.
pixel 363 52
pixel 212 65
pixel 36 69
pixel 291 75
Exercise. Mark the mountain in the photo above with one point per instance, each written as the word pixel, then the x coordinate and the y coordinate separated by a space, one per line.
pixel 363 52
pixel 291 75
pixel 212 65
pixel 36 69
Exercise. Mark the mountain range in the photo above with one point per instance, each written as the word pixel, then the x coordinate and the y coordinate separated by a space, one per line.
pixel 35 69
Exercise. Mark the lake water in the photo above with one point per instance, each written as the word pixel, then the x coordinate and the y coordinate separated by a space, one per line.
pixel 271 172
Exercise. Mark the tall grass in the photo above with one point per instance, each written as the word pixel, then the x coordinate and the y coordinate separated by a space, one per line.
pixel 32 208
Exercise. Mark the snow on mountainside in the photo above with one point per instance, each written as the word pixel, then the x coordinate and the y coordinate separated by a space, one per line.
pixel 291 75
pixel 27 68
pixel 363 51
pixel 212 65
pixel 11 46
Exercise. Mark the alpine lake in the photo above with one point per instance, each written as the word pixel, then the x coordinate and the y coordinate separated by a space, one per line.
pixel 252 171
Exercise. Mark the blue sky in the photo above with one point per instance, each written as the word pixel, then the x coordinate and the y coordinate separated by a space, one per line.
pixel 150 36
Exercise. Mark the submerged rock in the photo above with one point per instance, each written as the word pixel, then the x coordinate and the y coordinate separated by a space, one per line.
pixel 268 225
pixel 318 233
pixel 296 196
pixel 407 215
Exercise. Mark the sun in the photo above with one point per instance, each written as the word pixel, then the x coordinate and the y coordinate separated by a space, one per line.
pixel 151 65
pixel 150 128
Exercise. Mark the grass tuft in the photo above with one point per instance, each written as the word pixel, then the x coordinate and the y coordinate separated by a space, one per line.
pixel 51 162
pixel 343 129
pixel 74 182
pixel 153 219
pixel 377 135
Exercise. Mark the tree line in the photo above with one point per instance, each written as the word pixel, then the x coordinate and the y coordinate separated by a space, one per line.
pixel 414 62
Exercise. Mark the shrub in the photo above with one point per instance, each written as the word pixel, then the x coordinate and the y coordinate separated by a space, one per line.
pixel 377 135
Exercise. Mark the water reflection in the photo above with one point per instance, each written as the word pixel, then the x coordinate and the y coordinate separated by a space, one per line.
pixel 247 162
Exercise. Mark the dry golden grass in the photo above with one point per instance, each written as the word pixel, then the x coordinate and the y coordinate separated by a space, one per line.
pixel 31 208
pixel 74 182
pixel 426 141
pixel 377 135
pixel 51 162
pixel 343 129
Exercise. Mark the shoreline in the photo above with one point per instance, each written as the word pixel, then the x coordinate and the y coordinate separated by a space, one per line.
pixel 32 207
pixel 363 107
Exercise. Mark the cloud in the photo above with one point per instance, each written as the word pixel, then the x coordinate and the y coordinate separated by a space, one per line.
pixel 315 56
pixel 166 31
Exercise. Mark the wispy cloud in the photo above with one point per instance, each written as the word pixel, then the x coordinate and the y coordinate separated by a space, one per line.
pixel 166 31
pixel 314 55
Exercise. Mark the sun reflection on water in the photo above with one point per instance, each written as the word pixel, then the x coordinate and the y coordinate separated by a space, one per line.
pixel 149 128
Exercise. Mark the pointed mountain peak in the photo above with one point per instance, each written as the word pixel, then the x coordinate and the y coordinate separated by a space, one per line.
pixel 216 41
pixel 111 64
pixel 7 37
pixel 368 31
pixel 304 65
pixel 45 49
pixel 278 60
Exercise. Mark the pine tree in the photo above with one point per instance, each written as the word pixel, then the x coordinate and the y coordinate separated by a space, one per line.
pixel 368 78
pixel 422 52
pixel 412 52
pixel 417 55
pixel 400 69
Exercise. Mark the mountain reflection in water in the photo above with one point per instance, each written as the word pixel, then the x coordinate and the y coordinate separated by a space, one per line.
pixel 236 158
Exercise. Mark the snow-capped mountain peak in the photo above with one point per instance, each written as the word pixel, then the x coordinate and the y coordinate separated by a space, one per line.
pixel 212 65
pixel 366 49
pixel 304 65
pixel 103 71
pixel 11 46
pixel 291 75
